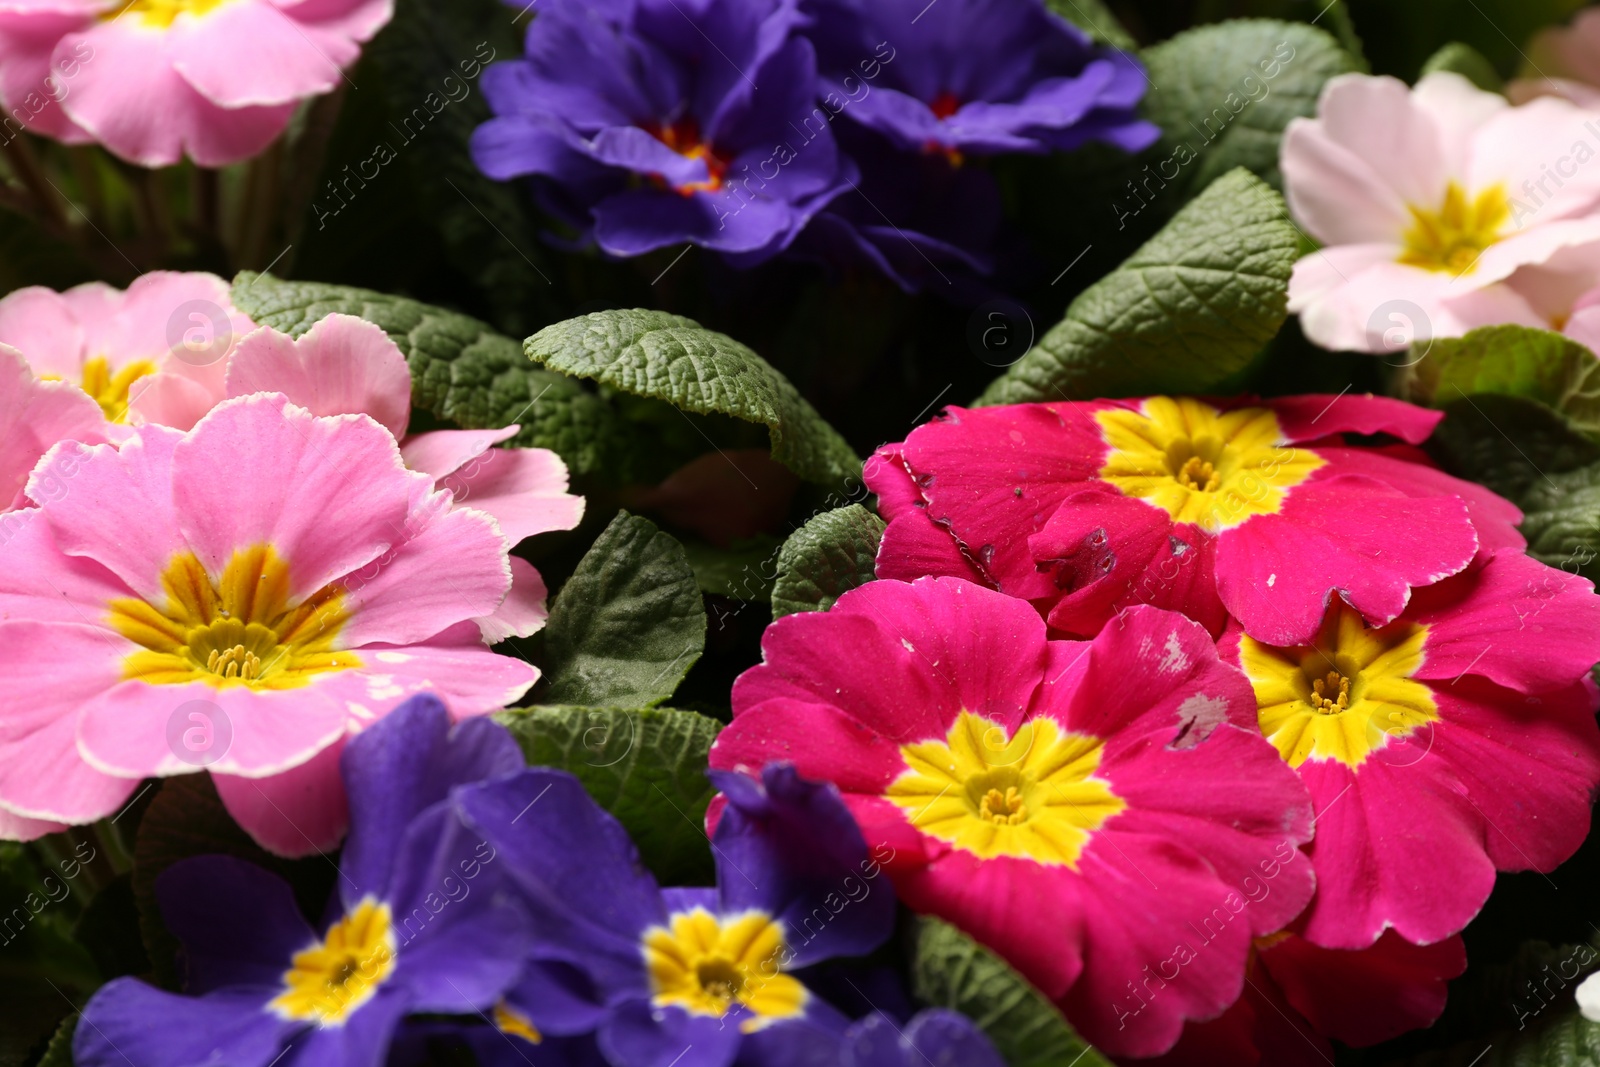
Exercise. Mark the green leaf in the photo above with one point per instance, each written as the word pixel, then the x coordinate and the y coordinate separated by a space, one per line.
pixel 1507 443
pixel 1225 93
pixel 1185 312
pixel 1467 61
pixel 740 571
pixel 1562 519
pixel 826 558
pixel 1094 18
pixel 59 1052
pixel 671 358
pixel 431 56
pixel 1512 361
pixel 628 624
pixel 1401 36
pixel 185 819
pixel 1566 1040
pixel 462 371
pixel 950 970
pixel 646 767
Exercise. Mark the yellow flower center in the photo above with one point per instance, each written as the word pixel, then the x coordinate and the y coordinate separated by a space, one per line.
pixel 706 965
pixel 1212 468
pixel 335 976
pixel 161 14
pixel 1032 795
pixel 1451 238
pixel 510 1021
pixel 108 389
pixel 240 630
pixel 1345 695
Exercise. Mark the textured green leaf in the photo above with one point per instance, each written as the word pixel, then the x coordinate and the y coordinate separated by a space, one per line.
pixel 1566 1040
pixel 950 970
pixel 1183 314
pixel 671 358
pixel 1094 18
pixel 646 767
pixel 1511 361
pixel 628 624
pixel 1225 93
pixel 826 558
pixel 742 571
pixel 488 228
pixel 1507 443
pixel 185 819
pixel 1467 61
pixel 1562 519
pixel 59 1052
pixel 462 371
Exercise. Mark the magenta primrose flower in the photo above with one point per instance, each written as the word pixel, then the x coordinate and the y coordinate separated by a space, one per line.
pixel 1259 510
pixel 1103 814
pixel 278 579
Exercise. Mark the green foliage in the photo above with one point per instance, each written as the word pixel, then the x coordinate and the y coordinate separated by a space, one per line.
pixel 646 767
pixel 462 371
pixel 737 571
pixel 185 819
pixel 59 1051
pixel 950 970
pixel 1565 1040
pixel 1186 312
pixel 1224 94
pixel 826 558
pixel 1467 61
pixel 671 358
pixel 1511 361
pixel 488 228
pixel 1094 18
pixel 1401 36
pixel 628 624
pixel 1508 443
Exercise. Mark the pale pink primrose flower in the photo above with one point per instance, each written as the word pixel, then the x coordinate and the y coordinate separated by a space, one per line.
pixel 110 343
pixel 156 81
pixel 1425 198
pixel 282 575
pixel 345 366
pixel 1564 61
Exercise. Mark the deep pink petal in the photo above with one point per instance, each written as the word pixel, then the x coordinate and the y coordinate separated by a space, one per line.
pixel 342 366
pixel 1410 471
pixel 300 812
pixel 1033 916
pixel 1168 941
pixel 994 476
pixel 905 659
pixel 1308 417
pixel 1363 998
pixel 822 742
pixel 1512 620
pixel 1528 766
pixel 1347 534
pixel 330 494
pixel 1397 846
pixel 913 545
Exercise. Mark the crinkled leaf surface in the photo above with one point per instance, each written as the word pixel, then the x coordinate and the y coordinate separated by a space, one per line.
pixel 827 557
pixel 1182 315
